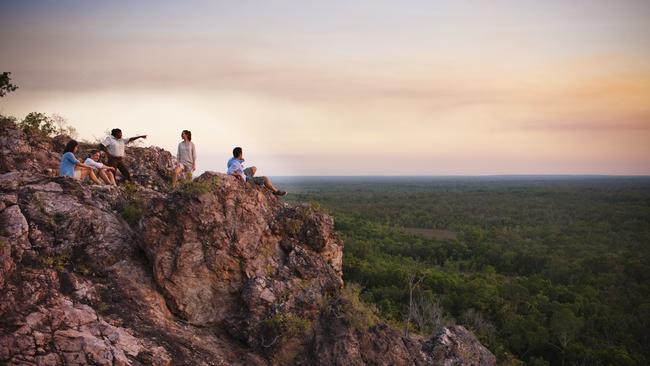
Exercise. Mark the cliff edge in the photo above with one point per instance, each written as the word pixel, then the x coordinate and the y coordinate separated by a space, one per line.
pixel 214 273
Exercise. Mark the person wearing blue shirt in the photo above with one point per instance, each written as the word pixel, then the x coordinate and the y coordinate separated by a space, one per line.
pixel 236 169
pixel 73 168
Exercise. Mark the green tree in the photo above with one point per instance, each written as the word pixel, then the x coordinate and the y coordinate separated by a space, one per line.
pixel 47 125
pixel 5 84
pixel 37 121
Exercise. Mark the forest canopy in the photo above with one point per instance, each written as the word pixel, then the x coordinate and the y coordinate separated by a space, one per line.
pixel 545 271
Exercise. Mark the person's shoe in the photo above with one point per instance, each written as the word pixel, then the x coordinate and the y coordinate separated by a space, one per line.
pixel 279 193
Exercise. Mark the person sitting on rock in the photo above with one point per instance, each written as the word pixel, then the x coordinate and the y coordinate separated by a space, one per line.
pixel 115 146
pixel 71 167
pixel 186 157
pixel 236 169
pixel 106 173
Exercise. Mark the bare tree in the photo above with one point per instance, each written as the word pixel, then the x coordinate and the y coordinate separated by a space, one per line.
pixel 474 320
pixel 427 314
pixel 62 126
pixel 413 282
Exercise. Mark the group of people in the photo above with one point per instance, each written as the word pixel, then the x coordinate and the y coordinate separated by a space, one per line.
pixel 115 148
pixel 99 173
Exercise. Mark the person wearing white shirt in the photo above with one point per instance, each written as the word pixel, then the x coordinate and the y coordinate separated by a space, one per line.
pixel 115 146
pixel 105 172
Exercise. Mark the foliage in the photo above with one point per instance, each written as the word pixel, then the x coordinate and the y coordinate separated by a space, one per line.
pixel 132 213
pixel 480 325
pixel 5 84
pixel 195 188
pixel 288 324
pixel 294 222
pixel 130 190
pixel 279 328
pixel 544 271
pixel 133 208
pixel 55 262
pixel 360 314
pixel 427 314
pixel 7 121
pixel 47 125
pixel 103 308
pixel 293 226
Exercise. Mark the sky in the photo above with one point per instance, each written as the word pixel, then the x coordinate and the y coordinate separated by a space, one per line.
pixel 347 87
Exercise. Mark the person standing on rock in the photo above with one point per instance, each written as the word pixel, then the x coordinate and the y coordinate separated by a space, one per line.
pixel 115 146
pixel 186 157
pixel 106 173
pixel 73 168
pixel 236 169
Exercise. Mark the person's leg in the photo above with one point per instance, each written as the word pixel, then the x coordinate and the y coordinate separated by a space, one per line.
pixel 111 177
pixel 177 171
pixel 250 171
pixel 103 176
pixel 269 185
pixel 123 169
pixel 114 163
pixel 187 172
pixel 89 173
pixel 93 177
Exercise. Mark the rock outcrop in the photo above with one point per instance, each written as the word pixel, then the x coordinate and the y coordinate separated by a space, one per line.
pixel 215 273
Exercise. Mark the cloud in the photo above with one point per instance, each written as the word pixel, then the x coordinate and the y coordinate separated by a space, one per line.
pixel 580 124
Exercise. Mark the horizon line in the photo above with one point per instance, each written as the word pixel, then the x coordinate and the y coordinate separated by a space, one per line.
pixel 467 176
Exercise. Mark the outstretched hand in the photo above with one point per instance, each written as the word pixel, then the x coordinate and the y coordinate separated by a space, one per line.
pixel 137 137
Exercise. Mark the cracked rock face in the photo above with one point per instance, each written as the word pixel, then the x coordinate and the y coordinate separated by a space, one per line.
pixel 24 151
pixel 225 274
pixel 41 238
pixel 72 334
pixel 222 257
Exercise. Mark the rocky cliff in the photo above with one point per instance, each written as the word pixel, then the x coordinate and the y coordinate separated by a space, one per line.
pixel 215 273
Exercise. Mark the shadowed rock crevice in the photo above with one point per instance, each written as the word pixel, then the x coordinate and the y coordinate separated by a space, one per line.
pixel 215 273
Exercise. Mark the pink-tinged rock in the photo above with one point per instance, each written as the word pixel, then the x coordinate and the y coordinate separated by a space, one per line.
pixel 229 238
pixel 74 359
pixel 160 357
pixel 15 224
pixel 51 359
pixel 457 346
pixel 40 338
pixel 97 351
pixel 78 315
pixel 34 320
pixel 122 340
pixel 69 340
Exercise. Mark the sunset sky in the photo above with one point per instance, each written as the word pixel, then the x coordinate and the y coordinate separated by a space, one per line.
pixel 350 87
